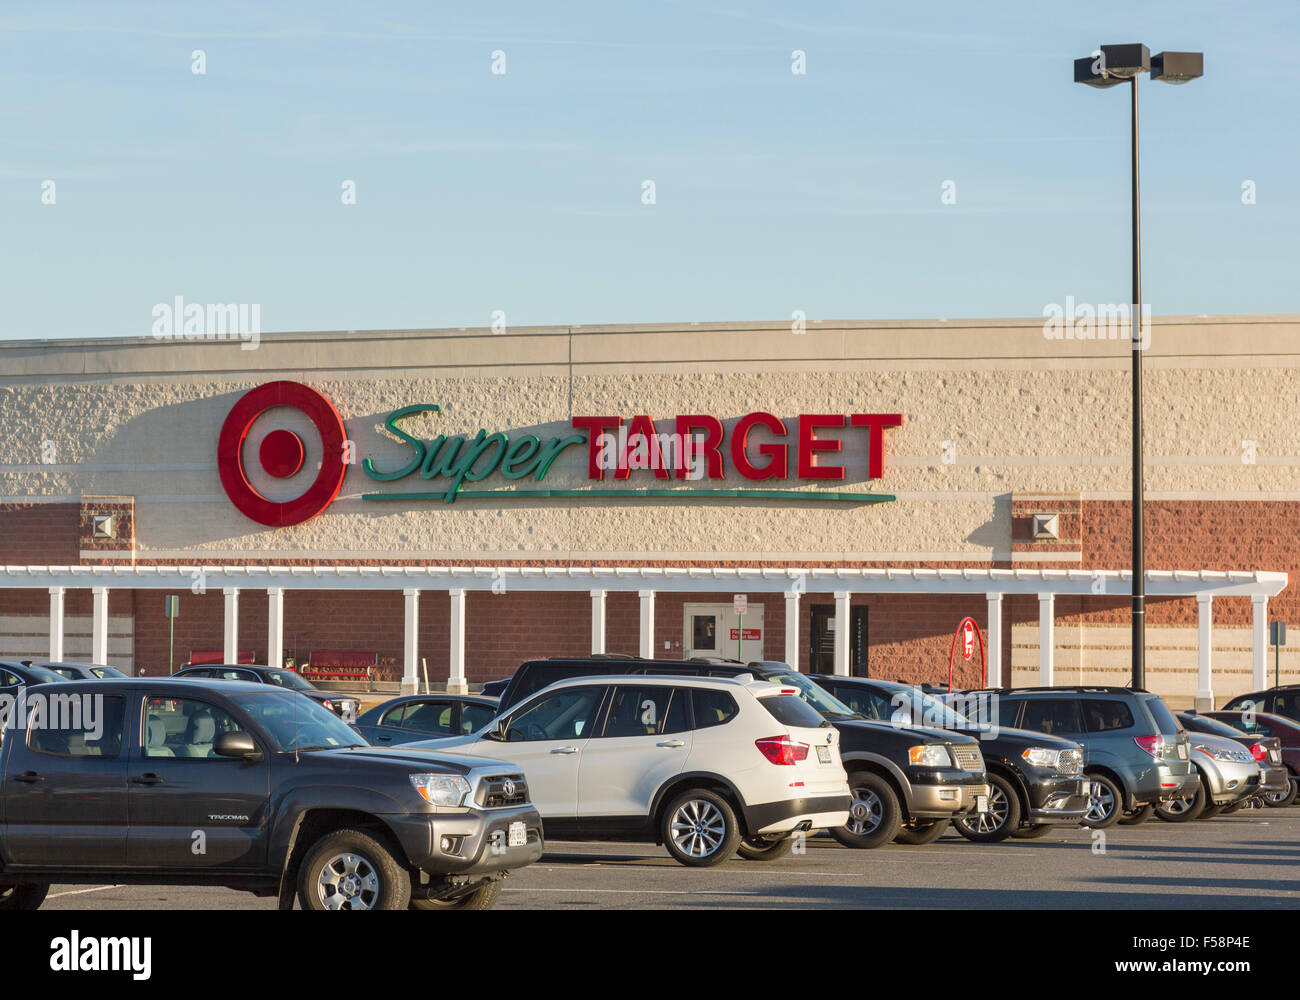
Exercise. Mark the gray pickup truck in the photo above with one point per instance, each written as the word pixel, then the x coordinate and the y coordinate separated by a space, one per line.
pixel 167 782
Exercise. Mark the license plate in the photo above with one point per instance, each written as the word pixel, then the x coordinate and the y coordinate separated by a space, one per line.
pixel 517 836
pixel 981 803
pixel 824 755
pixel 1182 751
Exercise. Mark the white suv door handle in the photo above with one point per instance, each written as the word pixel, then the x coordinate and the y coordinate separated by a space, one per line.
pixel 565 750
pixel 674 744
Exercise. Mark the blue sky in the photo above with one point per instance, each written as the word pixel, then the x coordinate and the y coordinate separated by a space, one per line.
pixel 522 192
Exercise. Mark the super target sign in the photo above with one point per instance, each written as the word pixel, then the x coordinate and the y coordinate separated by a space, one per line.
pixel 692 447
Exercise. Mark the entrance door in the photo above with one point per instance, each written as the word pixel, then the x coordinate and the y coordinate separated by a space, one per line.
pixel 823 632
pixel 716 630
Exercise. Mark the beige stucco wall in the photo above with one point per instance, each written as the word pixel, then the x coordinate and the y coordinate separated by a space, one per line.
pixel 1023 413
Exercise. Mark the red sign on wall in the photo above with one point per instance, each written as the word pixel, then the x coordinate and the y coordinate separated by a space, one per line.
pixel 751 634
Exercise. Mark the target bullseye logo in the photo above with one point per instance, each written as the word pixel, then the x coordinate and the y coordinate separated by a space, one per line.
pixel 281 454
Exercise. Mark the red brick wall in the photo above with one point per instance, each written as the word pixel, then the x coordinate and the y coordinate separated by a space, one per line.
pixel 39 534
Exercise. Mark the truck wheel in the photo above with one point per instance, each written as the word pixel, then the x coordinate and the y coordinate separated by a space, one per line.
pixel 1139 815
pixel 1277 799
pixel 699 829
pixel 22 895
pixel 874 817
pixel 483 898
pixel 1032 832
pixel 1105 804
pixel 1002 819
pixel 922 833
pixel 352 870
pixel 1184 809
pixel 763 849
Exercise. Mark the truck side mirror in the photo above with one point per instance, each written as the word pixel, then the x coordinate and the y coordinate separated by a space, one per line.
pixel 237 744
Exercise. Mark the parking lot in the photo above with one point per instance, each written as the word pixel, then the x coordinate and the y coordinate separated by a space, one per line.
pixel 1245 861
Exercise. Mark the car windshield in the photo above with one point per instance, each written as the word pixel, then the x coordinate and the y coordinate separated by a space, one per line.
pixel 815 695
pixel 1201 724
pixel 287 679
pixel 920 709
pixel 40 675
pixel 298 723
pixel 103 672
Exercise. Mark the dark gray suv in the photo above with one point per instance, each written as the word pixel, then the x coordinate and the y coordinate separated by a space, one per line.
pixel 1134 751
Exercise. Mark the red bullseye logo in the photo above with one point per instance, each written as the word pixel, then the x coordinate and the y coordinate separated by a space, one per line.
pixel 281 454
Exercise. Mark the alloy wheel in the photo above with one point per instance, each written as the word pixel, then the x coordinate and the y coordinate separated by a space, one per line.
pixel 1176 807
pixel 1101 803
pixel 988 822
pixel 866 812
pixel 348 882
pixel 698 828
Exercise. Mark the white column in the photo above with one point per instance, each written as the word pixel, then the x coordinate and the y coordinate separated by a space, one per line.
pixel 598 621
pixel 993 639
pixel 647 649
pixel 842 632
pixel 792 628
pixel 275 627
pixel 410 642
pixel 99 625
pixel 231 642
pixel 56 624
pixel 1204 654
pixel 1046 639
pixel 1259 641
pixel 456 675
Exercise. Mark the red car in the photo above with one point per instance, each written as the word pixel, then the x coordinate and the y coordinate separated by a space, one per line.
pixel 1267 724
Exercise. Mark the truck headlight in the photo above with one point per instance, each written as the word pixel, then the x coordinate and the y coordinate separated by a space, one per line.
pixel 441 789
pixel 930 755
pixel 1042 757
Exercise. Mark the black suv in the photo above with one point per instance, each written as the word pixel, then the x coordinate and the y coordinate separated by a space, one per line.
pixel 253 673
pixel 1135 754
pixel 1035 780
pixel 166 782
pixel 907 783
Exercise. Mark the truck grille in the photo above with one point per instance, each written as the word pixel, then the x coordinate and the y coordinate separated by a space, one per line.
pixel 502 790
pixel 968 757
pixel 1071 762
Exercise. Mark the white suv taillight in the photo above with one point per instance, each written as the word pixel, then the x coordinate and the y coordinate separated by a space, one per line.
pixel 782 749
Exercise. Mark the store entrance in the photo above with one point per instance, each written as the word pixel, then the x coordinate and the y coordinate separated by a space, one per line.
pixel 823 631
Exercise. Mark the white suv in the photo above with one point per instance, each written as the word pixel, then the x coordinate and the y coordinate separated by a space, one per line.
pixel 708 767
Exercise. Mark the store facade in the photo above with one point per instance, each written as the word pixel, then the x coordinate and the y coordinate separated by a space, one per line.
pixel 450 502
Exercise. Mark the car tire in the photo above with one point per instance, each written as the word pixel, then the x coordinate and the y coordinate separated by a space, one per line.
pixel 1032 832
pixel 23 895
pixel 1185 809
pixel 1106 804
pixel 1278 799
pixel 922 833
pixel 1231 808
pixel 878 815
pixel 1210 811
pixel 483 898
pixel 376 880
pixel 763 849
pixel 699 829
pixel 1002 819
pixel 1137 816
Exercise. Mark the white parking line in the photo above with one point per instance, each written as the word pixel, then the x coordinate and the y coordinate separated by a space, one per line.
pixel 78 892
pixel 645 892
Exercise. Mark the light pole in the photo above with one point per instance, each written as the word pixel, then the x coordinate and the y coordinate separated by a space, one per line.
pixel 1109 66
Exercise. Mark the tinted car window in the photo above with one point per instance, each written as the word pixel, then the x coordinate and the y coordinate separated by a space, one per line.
pixel 1052 715
pixel 1105 714
pixel 713 708
pixel 791 711
pixel 9 680
pixel 1287 703
pixel 564 715
pixel 80 726
pixel 429 717
pixel 394 716
pixel 539 675
pixel 1245 702
pixel 474 717
pixel 864 701
pixel 1163 718
pixel 1008 709
pixel 645 711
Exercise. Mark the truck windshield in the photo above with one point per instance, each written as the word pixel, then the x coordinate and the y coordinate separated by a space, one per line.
pixel 814 694
pixel 298 723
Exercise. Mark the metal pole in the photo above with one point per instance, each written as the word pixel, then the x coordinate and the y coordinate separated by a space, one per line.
pixel 1135 325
